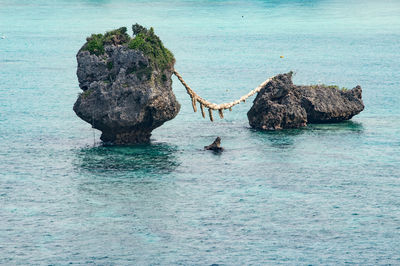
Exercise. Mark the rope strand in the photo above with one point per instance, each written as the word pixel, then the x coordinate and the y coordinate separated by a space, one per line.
pixel 212 106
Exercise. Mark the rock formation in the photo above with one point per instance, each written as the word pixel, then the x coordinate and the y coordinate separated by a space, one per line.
pixel 215 146
pixel 126 85
pixel 280 104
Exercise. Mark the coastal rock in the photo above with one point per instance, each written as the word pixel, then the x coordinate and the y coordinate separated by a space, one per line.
pixel 127 90
pixel 330 104
pixel 281 104
pixel 277 106
pixel 215 146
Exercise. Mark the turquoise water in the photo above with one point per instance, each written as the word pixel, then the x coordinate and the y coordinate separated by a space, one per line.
pixel 326 194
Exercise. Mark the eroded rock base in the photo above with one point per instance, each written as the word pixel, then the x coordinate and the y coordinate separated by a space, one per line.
pixel 125 138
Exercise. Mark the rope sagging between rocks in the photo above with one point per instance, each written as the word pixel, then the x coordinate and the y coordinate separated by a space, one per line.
pixel 212 106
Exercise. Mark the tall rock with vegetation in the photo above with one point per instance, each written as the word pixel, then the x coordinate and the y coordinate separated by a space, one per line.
pixel 281 104
pixel 126 83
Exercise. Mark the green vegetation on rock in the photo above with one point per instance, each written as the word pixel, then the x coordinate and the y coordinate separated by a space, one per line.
pixel 95 43
pixel 144 40
pixel 142 71
pixel 86 93
pixel 329 87
pixel 109 65
pixel 150 44
pixel 118 36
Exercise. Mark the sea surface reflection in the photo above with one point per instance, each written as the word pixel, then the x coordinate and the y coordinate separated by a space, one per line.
pixel 345 126
pixel 158 158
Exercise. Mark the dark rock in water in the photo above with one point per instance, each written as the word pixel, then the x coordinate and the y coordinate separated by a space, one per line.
pixel 127 89
pixel 215 146
pixel 281 104
pixel 278 106
pixel 330 104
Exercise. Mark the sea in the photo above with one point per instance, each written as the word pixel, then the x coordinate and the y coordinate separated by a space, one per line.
pixel 326 194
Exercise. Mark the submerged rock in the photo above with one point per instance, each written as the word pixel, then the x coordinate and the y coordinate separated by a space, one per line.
pixel 281 104
pixel 126 83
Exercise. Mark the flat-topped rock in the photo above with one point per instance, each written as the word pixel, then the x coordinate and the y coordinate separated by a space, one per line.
pixel 281 104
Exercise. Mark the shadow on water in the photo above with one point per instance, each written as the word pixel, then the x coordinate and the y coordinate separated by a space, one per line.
pixel 281 139
pixel 286 138
pixel 135 160
pixel 340 127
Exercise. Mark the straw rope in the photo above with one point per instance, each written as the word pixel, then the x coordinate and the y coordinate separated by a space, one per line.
pixel 212 106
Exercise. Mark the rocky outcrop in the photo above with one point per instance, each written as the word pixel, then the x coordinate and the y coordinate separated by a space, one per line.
pixel 215 146
pixel 127 86
pixel 281 104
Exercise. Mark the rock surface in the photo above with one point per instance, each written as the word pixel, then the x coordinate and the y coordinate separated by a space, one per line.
pixel 125 94
pixel 281 104
pixel 215 146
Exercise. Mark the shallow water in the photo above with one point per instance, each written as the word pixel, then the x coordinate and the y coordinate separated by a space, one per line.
pixel 326 194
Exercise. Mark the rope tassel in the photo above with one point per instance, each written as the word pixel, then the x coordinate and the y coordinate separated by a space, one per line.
pixel 211 114
pixel 194 104
pixel 221 114
pixel 202 111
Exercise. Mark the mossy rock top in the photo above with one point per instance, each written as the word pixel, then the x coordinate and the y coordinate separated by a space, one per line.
pixel 143 39
pixel 336 87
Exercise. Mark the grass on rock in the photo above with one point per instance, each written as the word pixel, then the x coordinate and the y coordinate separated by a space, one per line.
pixel 143 39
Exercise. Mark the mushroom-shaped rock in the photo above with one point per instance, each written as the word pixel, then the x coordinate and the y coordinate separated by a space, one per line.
pixel 126 83
pixel 281 104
